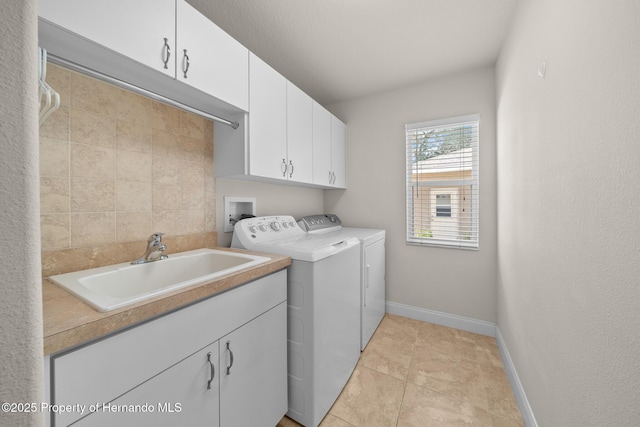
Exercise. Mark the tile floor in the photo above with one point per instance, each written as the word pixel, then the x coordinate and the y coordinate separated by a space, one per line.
pixel 414 373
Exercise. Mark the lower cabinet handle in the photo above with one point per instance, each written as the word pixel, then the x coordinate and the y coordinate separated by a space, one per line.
pixel 230 357
pixel 291 164
pixel 283 168
pixel 330 177
pixel 213 371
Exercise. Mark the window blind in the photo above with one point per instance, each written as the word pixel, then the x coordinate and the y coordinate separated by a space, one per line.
pixel 442 191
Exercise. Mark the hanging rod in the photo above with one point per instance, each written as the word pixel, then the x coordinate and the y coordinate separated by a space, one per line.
pixel 139 90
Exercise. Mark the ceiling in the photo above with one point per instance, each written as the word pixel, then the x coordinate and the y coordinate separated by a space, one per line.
pixel 336 50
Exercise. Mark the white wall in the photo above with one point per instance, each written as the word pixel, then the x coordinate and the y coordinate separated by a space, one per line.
pixel 21 372
pixel 568 209
pixel 448 280
pixel 271 199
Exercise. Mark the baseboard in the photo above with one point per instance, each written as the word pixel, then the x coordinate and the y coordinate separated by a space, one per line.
pixel 478 327
pixel 516 386
pixel 468 324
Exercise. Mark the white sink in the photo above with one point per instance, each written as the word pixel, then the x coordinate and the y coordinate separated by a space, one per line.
pixel 115 286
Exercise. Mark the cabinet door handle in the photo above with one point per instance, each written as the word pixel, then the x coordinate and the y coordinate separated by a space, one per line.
pixel 185 63
pixel 230 358
pixel 291 173
pixel 283 168
pixel 166 51
pixel 213 371
pixel 330 176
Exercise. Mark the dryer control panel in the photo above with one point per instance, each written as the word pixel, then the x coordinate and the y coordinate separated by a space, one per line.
pixel 322 222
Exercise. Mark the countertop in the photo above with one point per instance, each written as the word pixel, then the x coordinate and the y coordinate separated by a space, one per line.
pixel 68 321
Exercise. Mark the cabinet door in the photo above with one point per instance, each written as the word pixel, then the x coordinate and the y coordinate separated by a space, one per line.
pixel 267 120
pixel 299 135
pixel 321 145
pixel 253 377
pixel 136 29
pixel 209 59
pixel 187 394
pixel 338 152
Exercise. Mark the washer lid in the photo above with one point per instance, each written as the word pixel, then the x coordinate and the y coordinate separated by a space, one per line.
pixel 309 248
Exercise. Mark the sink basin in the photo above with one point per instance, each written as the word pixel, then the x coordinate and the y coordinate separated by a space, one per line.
pixel 119 285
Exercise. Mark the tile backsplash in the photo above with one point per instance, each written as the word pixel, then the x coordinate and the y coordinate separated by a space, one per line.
pixel 116 166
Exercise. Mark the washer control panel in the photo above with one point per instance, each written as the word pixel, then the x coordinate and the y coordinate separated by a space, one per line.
pixel 263 228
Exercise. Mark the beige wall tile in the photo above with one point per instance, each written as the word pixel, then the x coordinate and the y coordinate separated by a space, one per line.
pixel 165 118
pixel 92 162
pixel 166 197
pixel 191 173
pixel 133 138
pixel 57 125
pixel 133 166
pixel 133 196
pixel 93 195
pixel 166 221
pixel 134 108
pixel 54 230
pixel 192 197
pixel 191 221
pixel 93 95
pixel 54 158
pixel 54 195
pixel 166 144
pixel 92 129
pixel 192 126
pixel 114 166
pixel 133 226
pixel 92 229
pixel 166 170
pixel 192 148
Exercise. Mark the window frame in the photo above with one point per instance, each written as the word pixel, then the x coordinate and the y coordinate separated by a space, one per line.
pixel 425 237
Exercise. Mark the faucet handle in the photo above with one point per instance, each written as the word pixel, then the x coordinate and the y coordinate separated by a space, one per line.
pixel 155 238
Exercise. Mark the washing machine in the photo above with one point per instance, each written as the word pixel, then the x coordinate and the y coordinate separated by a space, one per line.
pixel 323 308
pixel 372 267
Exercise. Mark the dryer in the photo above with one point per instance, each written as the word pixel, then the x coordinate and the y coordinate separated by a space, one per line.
pixel 372 267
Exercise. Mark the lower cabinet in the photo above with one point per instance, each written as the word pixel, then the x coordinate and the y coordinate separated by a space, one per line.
pixel 187 394
pixel 253 378
pixel 219 362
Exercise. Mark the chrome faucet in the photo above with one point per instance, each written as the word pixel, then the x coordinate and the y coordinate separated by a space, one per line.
pixel 155 247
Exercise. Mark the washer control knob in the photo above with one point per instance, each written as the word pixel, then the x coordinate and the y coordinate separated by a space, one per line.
pixel 292 224
pixel 253 229
pixel 263 227
pixel 275 226
pixel 285 224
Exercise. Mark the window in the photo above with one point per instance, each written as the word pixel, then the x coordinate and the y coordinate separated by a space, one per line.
pixel 443 182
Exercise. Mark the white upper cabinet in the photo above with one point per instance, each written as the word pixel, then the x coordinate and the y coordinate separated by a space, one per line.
pixel 209 59
pixel 329 147
pixel 169 36
pixel 143 30
pixel 321 145
pixel 338 152
pixel 299 135
pixel 267 121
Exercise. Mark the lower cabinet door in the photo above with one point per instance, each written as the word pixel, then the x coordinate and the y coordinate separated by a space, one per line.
pixel 253 377
pixel 187 394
